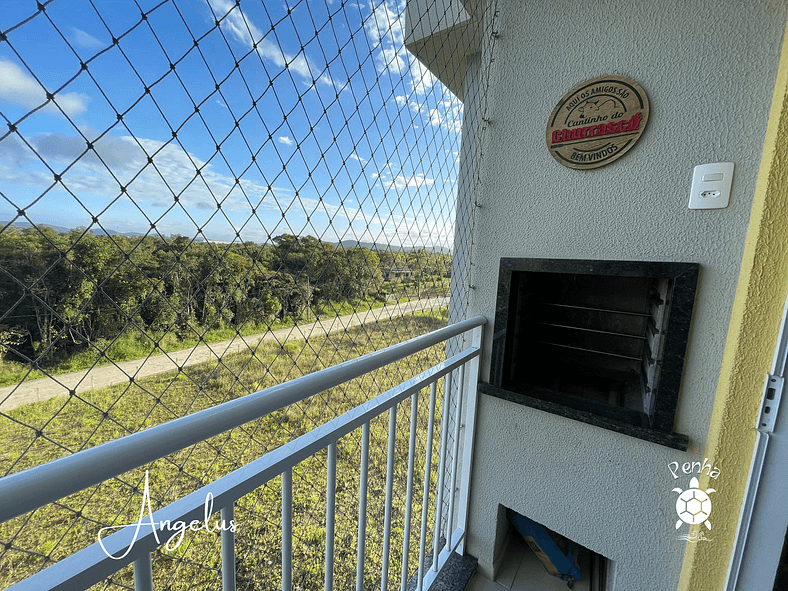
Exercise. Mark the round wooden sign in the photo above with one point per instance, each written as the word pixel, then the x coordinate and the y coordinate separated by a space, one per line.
pixel 597 122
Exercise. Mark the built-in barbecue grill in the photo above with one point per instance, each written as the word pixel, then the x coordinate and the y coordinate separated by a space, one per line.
pixel 601 340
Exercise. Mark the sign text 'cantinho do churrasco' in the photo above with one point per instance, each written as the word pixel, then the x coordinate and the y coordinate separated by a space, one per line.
pixel 597 122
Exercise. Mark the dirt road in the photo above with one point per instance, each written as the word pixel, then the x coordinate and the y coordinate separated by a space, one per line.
pixel 108 375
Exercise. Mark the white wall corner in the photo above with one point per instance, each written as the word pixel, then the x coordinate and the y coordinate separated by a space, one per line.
pixel 442 34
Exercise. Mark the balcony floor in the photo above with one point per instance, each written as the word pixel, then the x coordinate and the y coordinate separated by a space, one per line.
pixel 522 571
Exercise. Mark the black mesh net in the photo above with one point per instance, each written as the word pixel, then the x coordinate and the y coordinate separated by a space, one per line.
pixel 199 200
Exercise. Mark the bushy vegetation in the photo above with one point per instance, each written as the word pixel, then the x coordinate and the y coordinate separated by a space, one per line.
pixel 68 301
pixel 44 431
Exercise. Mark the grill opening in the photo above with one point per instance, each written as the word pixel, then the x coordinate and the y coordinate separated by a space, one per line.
pixel 606 338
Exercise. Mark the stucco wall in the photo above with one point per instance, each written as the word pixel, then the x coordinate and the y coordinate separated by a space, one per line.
pixel 709 70
pixel 749 353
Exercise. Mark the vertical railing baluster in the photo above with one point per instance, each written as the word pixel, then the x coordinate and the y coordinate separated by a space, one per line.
pixel 425 505
pixel 389 494
pixel 455 458
pixel 143 573
pixel 331 489
pixel 469 424
pixel 442 455
pixel 414 408
pixel 287 530
pixel 362 507
pixel 228 548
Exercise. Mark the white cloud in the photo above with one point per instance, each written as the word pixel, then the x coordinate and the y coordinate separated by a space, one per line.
pixel 385 27
pixel 417 180
pixel 386 22
pixel 283 139
pixel 391 59
pixel 357 158
pixel 152 187
pixel 410 225
pixel 299 63
pixel 447 114
pixel 401 100
pixel 389 180
pixel 402 230
pixel 385 30
pixel 22 89
pixel 421 78
pixel 13 150
pixel 247 33
pixel 85 40
pixel 235 22
pixel 172 172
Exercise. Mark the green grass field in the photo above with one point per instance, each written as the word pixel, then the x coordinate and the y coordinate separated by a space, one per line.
pixel 35 434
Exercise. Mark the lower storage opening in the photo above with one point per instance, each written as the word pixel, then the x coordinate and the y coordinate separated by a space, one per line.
pixel 539 559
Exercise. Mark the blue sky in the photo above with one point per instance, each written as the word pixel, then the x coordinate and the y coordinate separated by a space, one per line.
pixel 341 134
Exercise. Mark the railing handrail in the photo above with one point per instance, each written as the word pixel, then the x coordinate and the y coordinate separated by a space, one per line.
pixel 94 562
pixel 35 487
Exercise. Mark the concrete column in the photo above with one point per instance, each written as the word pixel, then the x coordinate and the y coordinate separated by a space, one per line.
pixel 461 275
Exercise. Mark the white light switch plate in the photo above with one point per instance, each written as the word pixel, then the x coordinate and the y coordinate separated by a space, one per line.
pixel 711 186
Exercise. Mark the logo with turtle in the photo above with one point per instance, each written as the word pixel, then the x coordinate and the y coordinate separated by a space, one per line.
pixel 693 505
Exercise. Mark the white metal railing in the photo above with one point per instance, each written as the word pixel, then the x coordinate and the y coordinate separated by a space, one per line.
pixel 33 488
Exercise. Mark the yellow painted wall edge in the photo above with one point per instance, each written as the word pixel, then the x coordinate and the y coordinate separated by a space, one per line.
pixel 749 349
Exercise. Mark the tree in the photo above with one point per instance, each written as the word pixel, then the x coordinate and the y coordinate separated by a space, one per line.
pixel 359 273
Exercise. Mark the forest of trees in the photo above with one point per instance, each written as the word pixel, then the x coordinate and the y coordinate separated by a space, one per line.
pixel 60 292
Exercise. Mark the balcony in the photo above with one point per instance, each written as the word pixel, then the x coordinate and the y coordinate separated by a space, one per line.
pixel 438 527
pixel 255 193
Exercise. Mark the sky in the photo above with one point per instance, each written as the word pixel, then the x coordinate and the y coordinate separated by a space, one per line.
pixel 309 118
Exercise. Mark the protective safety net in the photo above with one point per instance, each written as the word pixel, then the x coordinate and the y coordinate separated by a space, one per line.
pixel 200 199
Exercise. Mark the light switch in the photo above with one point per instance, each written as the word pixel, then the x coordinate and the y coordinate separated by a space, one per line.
pixel 711 186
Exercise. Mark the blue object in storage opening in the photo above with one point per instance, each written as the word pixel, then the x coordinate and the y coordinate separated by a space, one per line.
pixel 556 553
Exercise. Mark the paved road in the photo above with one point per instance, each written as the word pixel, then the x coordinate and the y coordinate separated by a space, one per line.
pixel 107 375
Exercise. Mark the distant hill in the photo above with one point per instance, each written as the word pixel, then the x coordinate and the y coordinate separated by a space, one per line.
pixel 58 229
pixel 64 230
pixel 384 247
pixel 101 232
pixel 344 243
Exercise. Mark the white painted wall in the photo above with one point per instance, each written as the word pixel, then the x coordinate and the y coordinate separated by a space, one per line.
pixel 708 67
